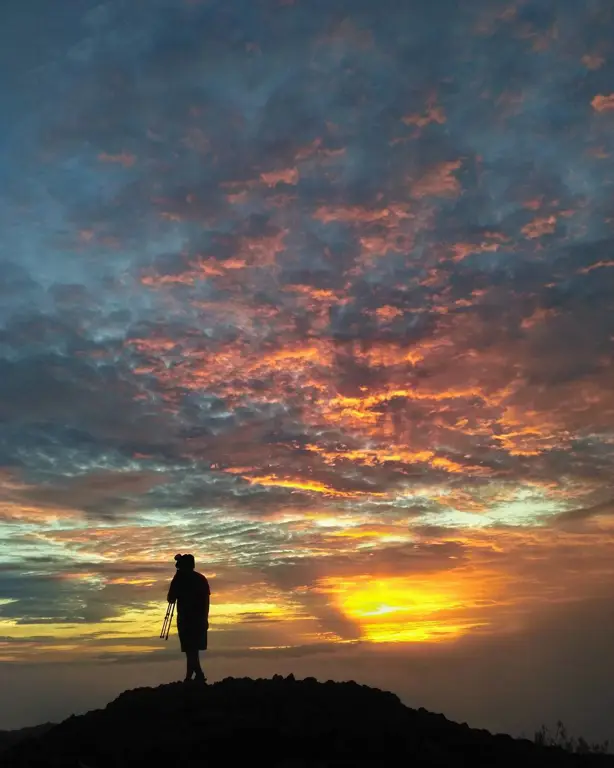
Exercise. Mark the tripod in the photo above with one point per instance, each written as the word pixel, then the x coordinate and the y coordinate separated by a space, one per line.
pixel 168 620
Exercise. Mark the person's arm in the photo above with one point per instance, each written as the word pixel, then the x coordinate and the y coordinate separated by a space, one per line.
pixel 172 592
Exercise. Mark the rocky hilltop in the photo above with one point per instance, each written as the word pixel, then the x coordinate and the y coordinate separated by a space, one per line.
pixel 274 722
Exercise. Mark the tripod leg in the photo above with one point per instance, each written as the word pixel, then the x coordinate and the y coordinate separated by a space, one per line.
pixel 170 620
pixel 166 621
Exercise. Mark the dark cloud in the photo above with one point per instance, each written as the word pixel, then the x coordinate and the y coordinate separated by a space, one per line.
pixel 44 600
pixel 585 513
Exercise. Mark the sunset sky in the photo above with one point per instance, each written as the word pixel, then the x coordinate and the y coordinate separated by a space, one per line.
pixel 321 291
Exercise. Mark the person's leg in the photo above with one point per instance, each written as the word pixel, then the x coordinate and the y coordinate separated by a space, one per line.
pixel 199 674
pixel 191 663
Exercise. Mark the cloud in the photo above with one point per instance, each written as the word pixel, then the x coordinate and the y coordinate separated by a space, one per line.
pixel 586 513
pixel 603 103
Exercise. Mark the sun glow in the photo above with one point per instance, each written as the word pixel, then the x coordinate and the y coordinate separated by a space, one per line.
pixel 399 609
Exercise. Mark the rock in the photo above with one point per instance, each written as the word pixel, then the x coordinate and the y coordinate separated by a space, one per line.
pixel 274 722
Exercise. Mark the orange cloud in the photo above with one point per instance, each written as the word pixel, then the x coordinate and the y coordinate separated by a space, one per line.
pixel 252 252
pixel 540 227
pixel 380 244
pixel 438 182
pixel 383 533
pixel 287 176
pixel 527 433
pixel 350 215
pixel 433 114
pixel 450 466
pixel 598 265
pixel 262 251
pixel 603 103
pixel 368 401
pixel 462 250
pixel 27 513
pixel 387 313
pixel 305 485
pixel 372 456
pixel 152 346
pixel 395 232
pixel 316 294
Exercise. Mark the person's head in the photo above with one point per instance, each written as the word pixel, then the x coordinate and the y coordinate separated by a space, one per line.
pixel 185 562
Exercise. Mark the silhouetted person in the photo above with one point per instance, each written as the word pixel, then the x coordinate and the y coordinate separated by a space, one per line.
pixel 191 591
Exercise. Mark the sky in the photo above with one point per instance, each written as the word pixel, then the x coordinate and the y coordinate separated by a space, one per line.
pixel 322 292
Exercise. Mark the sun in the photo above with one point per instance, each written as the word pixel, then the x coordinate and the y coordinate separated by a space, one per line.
pixel 405 609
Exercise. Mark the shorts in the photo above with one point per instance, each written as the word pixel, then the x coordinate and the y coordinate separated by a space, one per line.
pixel 192 634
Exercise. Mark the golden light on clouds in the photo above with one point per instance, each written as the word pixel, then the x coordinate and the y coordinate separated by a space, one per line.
pixel 411 608
pixel 299 484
